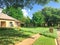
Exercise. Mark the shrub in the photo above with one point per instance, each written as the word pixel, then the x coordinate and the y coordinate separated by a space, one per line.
pixel 6 28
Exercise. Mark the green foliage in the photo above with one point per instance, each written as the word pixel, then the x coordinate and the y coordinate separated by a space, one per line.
pixel 51 15
pixel 10 36
pixel 43 31
pixel 6 28
pixel 24 3
pixel 48 15
pixel 15 13
pixel 27 22
pixel 48 34
pixel 44 41
pixel 38 18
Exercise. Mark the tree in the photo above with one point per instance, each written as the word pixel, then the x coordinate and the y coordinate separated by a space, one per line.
pixel 27 22
pixel 48 15
pixel 51 15
pixel 38 18
pixel 13 12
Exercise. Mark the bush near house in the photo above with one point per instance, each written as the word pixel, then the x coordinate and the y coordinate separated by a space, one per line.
pixel 6 28
pixel 9 36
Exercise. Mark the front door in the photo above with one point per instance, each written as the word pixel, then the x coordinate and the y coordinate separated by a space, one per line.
pixel 3 24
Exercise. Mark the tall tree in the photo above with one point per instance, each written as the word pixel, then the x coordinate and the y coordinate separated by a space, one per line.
pixel 49 15
pixel 16 13
pixel 38 18
pixel 27 22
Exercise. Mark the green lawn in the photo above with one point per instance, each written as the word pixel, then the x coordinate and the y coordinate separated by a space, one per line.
pixel 47 38
pixel 44 41
pixel 41 30
pixel 10 37
pixel 35 30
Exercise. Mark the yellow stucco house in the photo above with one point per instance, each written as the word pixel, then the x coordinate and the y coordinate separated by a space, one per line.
pixel 7 21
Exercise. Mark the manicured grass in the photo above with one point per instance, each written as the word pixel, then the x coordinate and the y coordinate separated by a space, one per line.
pixel 44 41
pixel 35 30
pixel 41 30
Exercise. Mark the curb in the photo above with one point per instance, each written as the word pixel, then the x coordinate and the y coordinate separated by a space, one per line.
pixel 56 42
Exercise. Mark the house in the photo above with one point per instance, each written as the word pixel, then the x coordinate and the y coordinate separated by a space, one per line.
pixel 7 21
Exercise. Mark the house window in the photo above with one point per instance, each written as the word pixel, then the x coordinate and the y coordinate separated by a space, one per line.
pixel 11 24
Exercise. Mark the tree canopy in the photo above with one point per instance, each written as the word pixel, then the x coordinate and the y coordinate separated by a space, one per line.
pixel 23 3
pixel 48 15
pixel 15 13
pixel 38 18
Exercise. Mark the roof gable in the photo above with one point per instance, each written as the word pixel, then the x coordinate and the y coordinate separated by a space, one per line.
pixel 5 16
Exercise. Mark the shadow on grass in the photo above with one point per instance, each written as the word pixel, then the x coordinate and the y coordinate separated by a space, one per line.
pixel 8 37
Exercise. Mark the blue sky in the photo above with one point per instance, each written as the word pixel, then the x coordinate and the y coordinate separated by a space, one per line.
pixel 39 7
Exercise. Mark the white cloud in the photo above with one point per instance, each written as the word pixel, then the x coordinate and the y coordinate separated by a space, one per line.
pixel 29 10
pixel 1 10
pixel 25 12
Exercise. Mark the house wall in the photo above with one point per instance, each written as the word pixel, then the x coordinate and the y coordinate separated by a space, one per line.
pixel 8 23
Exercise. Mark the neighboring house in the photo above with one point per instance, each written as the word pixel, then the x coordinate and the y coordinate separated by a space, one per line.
pixel 7 21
